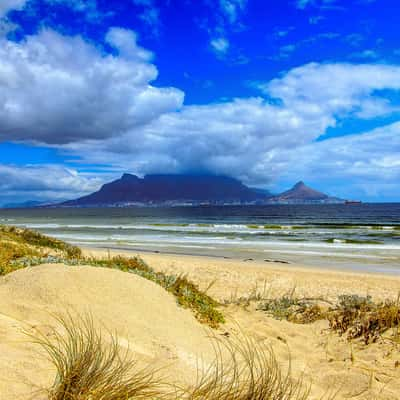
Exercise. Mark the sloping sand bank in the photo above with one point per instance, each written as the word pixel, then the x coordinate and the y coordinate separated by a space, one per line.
pixel 163 334
pixel 138 311
pixel 366 372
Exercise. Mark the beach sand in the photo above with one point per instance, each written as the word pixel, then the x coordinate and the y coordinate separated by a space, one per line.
pixel 163 334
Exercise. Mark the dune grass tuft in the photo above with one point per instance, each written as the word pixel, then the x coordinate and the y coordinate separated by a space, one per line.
pixel 250 372
pixel 352 315
pixel 28 237
pixel 11 252
pixel 90 366
pixel 360 317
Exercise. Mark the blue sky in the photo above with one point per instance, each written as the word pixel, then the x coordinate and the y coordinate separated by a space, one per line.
pixel 270 92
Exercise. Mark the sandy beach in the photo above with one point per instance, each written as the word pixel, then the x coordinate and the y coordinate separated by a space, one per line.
pixel 148 321
pixel 330 361
pixel 230 278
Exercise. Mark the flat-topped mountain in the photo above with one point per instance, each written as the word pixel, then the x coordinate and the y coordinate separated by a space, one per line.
pixel 172 189
pixel 169 188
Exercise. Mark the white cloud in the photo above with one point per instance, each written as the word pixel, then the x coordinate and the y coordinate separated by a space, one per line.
pixel 44 183
pixel 220 45
pixel 303 3
pixel 366 54
pixel 334 90
pixel 89 7
pixel 321 4
pixel 57 89
pixel 232 8
pixel 368 163
pixel 150 15
pixel 8 5
pixel 226 19
pixel 102 107
pixel 260 140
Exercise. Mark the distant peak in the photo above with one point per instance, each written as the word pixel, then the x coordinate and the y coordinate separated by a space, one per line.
pixel 129 177
pixel 299 184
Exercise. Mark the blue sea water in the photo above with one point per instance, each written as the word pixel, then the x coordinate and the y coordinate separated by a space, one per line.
pixel 358 236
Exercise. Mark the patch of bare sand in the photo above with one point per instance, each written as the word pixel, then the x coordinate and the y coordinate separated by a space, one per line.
pixel 365 372
pixel 141 313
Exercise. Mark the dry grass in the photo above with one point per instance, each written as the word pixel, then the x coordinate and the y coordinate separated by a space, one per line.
pixel 360 317
pixel 355 316
pixel 250 373
pixel 90 366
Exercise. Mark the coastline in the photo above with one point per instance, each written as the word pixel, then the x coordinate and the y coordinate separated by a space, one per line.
pixel 159 331
pixel 238 277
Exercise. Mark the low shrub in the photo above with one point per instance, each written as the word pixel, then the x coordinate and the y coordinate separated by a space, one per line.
pixel 293 309
pixel 360 317
pixel 353 315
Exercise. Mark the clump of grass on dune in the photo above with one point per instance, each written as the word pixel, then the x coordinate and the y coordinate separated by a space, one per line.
pixel 294 309
pixel 28 237
pixel 360 317
pixel 355 316
pixel 91 366
pixel 251 372
pixel 10 252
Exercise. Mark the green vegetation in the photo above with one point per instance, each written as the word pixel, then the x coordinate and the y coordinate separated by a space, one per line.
pixel 352 315
pixel 187 294
pixel 90 366
pixel 360 317
pixel 251 226
pixel 272 227
pixel 27 237
pixel 21 248
pixel 293 309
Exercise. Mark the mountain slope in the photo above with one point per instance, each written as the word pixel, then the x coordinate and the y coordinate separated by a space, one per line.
pixel 164 188
pixel 300 191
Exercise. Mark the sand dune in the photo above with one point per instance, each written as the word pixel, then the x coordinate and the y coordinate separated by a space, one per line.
pixel 141 313
pixel 158 332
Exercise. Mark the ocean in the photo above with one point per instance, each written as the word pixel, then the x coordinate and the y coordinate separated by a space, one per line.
pixel 362 237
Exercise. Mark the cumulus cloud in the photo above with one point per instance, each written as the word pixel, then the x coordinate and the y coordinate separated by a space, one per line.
pixel 367 164
pixel 57 89
pixel 89 7
pixel 8 5
pixel 335 90
pixel 244 136
pixel 101 107
pixel 43 183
